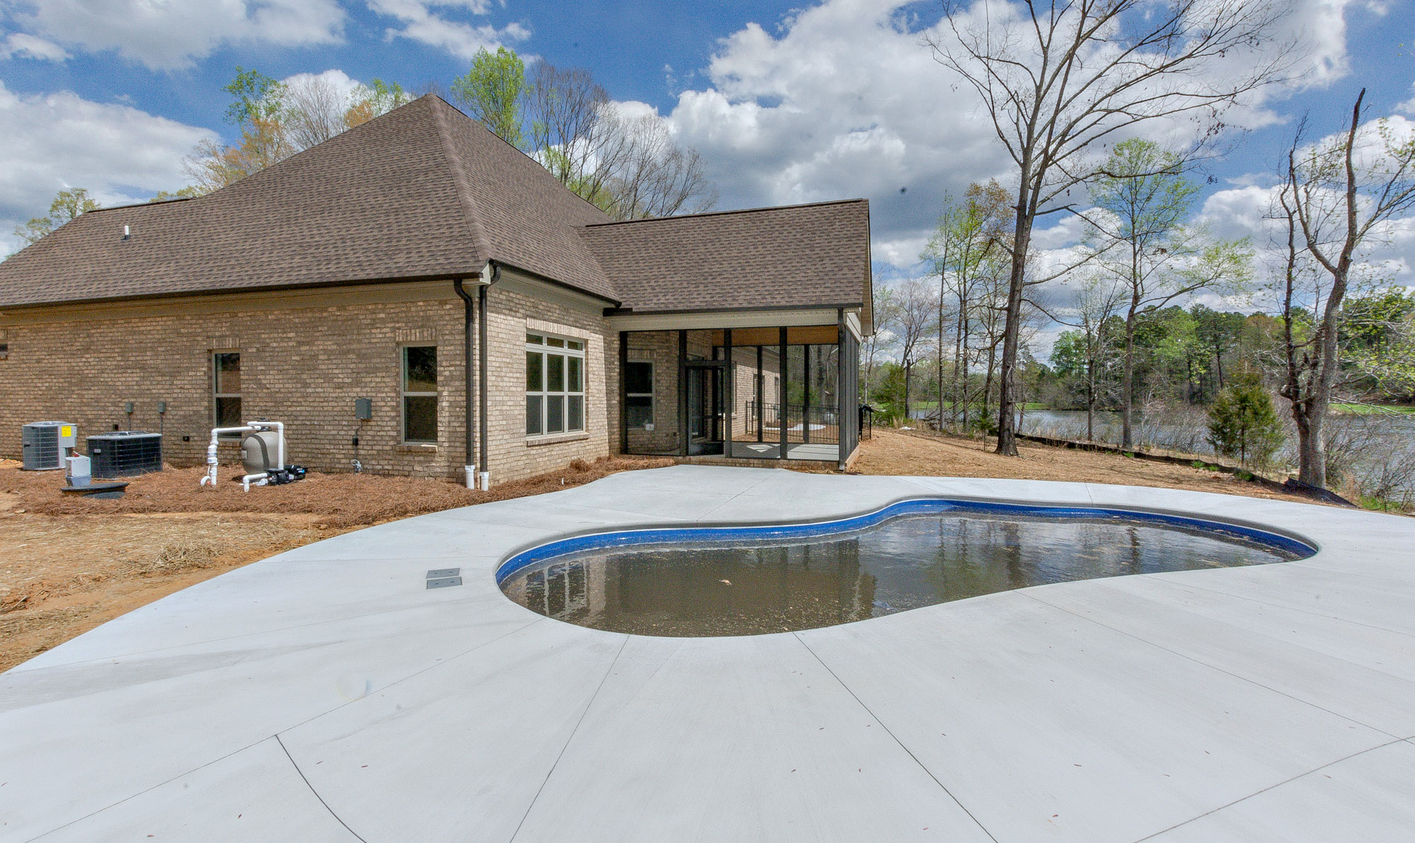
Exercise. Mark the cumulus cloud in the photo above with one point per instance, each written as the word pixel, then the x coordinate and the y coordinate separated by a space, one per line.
pixel 57 141
pixel 844 100
pixel 172 35
pixel 419 22
pixel 20 45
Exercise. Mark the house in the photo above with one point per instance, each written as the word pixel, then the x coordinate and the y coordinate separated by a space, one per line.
pixel 492 317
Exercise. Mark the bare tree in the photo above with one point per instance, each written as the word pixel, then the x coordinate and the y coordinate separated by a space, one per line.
pixel 1339 193
pixel 967 235
pixel 646 173
pixel 313 110
pixel 564 109
pixel 917 300
pixel 885 312
pixel 1064 77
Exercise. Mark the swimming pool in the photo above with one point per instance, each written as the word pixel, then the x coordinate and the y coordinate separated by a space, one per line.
pixel 714 581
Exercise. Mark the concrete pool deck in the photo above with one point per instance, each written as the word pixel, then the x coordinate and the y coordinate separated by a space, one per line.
pixel 326 694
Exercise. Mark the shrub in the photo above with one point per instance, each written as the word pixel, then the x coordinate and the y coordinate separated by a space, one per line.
pixel 1243 423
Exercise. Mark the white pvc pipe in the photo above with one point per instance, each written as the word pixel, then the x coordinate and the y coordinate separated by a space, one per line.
pixel 249 427
pixel 470 472
pixel 485 480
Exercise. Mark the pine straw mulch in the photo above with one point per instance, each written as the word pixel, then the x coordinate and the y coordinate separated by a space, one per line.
pixel 336 501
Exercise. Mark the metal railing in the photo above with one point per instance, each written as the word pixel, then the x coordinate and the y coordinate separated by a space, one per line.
pixel 805 423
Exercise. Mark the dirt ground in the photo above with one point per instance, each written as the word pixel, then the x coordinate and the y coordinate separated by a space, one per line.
pixel 900 452
pixel 68 564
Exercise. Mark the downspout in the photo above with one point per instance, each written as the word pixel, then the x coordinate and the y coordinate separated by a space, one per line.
pixel 481 366
pixel 469 469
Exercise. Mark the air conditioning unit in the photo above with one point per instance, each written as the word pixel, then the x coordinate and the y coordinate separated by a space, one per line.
pixel 43 444
pixel 125 453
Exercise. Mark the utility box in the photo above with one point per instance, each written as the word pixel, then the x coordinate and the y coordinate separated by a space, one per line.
pixel 43 445
pixel 125 453
pixel 363 409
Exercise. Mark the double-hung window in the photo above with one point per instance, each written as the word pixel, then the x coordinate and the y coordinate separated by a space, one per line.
pixel 226 382
pixel 420 394
pixel 555 385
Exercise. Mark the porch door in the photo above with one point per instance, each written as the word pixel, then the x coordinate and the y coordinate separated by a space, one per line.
pixel 705 409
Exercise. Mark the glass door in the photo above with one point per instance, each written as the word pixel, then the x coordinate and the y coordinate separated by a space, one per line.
pixel 705 409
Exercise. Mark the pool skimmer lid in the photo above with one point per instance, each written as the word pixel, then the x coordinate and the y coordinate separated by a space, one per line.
pixel 444 577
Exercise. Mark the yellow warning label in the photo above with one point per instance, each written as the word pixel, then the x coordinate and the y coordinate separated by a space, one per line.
pixel 66 431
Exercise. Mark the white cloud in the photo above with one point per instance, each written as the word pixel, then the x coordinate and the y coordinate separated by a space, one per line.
pixel 844 100
pixel 57 141
pixel 166 35
pixel 20 45
pixel 422 24
pixel 343 84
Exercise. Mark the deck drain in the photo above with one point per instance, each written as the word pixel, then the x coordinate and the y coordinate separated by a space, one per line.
pixel 444 577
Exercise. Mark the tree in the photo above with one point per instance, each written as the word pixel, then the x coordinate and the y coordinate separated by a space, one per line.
pixel 1143 244
pixel 1243 423
pixel 492 91
pixel 312 111
pixel 1062 78
pixel 1337 195
pixel 967 236
pixel 374 99
pixel 67 205
pixel 885 312
pixel 913 325
pixel 1089 351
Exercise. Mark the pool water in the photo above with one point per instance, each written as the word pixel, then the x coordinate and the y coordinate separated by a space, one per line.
pixel 901 563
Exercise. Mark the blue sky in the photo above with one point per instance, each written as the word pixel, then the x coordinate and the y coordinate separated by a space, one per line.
pixel 786 103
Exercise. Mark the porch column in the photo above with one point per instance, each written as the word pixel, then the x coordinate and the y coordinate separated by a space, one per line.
pixel 806 393
pixel 842 403
pixel 729 392
pixel 683 393
pixel 623 392
pixel 759 390
pixel 781 392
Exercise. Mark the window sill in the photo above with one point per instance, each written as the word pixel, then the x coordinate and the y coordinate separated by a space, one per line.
pixel 416 448
pixel 555 438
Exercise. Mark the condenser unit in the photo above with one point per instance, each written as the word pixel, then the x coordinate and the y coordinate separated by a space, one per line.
pixel 43 445
pixel 125 453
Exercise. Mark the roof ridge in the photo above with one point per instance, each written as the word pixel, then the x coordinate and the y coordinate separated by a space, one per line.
pixel 459 180
pixel 726 213
pixel 148 204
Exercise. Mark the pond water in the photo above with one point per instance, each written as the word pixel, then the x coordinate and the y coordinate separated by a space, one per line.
pixel 788 582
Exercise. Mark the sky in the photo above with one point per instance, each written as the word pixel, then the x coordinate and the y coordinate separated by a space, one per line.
pixel 786 103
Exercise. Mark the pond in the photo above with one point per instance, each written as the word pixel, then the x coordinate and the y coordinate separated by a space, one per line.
pixel 755 580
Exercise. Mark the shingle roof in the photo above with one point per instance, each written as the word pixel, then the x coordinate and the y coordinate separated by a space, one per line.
pixel 426 192
pixel 422 191
pixel 796 256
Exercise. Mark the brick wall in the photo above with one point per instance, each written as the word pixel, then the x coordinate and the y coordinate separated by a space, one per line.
pixel 305 357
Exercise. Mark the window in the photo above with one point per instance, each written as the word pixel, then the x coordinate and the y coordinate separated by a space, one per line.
pixel 420 394
pixel 4 345
pixel 226 380
pixel 638 395
pixel 555 385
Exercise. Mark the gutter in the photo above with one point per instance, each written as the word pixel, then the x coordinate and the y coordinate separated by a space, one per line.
pixel 469 311
pixel 481 365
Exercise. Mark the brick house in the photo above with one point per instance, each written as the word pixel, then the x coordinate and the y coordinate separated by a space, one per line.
pixel 493 317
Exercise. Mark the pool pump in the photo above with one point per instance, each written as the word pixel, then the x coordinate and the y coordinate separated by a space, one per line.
pixel 262 441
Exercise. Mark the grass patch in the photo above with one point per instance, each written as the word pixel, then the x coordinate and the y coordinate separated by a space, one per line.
pixel 1351 409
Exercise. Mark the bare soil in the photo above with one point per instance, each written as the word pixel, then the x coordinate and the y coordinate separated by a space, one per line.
pixel 69 564
pixel 931 454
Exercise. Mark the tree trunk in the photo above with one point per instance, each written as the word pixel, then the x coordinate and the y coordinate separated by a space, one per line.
pixel 1127 398
pixel 1012 325
pixel 908 377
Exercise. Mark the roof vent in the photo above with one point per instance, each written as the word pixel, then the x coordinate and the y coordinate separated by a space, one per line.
pixel 127 235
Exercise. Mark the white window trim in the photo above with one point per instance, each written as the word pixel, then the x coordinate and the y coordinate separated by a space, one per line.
pixel 578 353
pixel 653 401
pixel 403 394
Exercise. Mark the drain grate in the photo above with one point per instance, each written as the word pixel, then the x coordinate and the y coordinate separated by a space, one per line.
pixel 444 577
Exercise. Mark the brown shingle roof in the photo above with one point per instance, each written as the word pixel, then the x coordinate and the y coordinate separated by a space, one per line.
pixel 422 191
pixel 426 192
pixel 797 256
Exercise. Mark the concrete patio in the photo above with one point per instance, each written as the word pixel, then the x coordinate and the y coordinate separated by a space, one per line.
pixel 326 694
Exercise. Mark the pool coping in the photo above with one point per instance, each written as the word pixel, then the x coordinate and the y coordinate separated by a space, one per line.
pixel 354 704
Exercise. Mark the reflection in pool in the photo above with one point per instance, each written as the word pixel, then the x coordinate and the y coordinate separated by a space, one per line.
pixel 743 581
